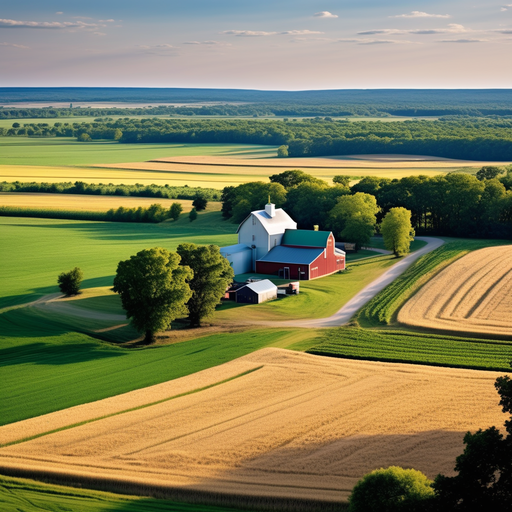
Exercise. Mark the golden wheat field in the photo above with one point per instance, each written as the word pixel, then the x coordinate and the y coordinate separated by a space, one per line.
pixel 88 202
pixel 274 423
pixel 473 294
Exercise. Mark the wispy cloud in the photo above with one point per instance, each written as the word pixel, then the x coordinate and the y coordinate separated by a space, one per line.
pixel 55 25
pixel 419 14
pixel 258 33
pixel 364 41
pixel 463 41
pixel 20 46
pixel 504 31
pixel 207 43
pixel 452 28
pixel 325 14
pixel 505 7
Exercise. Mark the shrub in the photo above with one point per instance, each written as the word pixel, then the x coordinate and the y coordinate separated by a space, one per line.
pixel 392 490
pixel 192 215
pixel 69 282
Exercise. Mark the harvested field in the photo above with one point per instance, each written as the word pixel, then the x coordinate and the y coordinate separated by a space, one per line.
pixel 273 423
pixel 88 203
pixel 474 294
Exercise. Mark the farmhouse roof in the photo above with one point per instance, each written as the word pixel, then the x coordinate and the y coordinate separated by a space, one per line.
pixel 262 286
pixel 305 238
pixel 272 225
pixel 292 255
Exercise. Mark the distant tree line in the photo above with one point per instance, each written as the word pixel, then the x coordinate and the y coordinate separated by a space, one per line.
pixel 137 190
pixel 472 139
pixel 454 204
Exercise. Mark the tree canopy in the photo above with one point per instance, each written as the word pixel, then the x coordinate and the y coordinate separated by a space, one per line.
pixel 153 289
pixel 397 232
pixel 69 282
pixel 212 275
pixel 353 218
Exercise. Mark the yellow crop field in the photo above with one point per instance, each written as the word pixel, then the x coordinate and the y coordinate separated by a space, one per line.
pixel 89 203
pixel 274 423
pixel 473 294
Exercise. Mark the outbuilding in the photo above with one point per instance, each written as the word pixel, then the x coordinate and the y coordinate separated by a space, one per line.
pixel 256 292
pixel 239 257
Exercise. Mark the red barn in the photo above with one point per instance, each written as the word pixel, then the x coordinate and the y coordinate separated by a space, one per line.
pixel 303 255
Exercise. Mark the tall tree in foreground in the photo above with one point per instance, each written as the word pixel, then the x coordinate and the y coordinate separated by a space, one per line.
pixel 212 275
pixel 484 480
pixel 397 231
pixel 154 290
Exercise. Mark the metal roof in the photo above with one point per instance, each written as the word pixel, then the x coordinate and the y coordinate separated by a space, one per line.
pixel 272 225
pixel 293 255
pixel 262 286
pixel 339 252
pixel 305 238
pixel 231 249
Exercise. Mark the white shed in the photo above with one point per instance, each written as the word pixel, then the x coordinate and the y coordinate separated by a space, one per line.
pixel 257 292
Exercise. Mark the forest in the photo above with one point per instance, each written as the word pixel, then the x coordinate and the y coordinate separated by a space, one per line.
pixel 467 138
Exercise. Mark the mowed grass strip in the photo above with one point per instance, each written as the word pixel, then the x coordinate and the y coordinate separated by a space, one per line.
pixel 19 494
pixel 418 348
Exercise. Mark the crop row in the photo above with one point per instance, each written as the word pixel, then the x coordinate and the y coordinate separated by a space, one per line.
pixel 418 348
pixel 382 308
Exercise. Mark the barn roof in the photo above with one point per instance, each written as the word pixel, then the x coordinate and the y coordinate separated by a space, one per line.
pixel 232 249
pixel 292 255
pixel 272 225
pixel 262 286
pixel 305 238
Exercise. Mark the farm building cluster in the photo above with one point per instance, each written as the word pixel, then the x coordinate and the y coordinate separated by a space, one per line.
pixel 270 243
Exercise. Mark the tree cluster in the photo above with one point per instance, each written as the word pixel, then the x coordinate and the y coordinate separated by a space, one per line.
pixel 157 286
pixel 468 138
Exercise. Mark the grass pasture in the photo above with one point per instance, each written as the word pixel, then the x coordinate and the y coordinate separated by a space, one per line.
pixel 22 495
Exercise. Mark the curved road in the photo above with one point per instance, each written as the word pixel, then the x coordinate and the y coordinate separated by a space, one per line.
pixel 343 315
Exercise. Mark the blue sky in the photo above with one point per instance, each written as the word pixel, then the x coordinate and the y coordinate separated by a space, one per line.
pixel 263 44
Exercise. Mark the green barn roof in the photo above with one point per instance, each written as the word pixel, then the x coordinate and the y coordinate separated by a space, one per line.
pixel 305 238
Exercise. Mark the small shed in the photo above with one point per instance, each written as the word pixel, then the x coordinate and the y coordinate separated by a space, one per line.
pixel 239 257
pixel 257 292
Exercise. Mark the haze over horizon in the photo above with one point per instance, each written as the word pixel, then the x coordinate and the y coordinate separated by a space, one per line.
pixel 278 45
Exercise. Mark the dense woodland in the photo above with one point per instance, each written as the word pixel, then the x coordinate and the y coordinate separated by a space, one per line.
pixel 454 204
pixel 471 139
pixel 237 102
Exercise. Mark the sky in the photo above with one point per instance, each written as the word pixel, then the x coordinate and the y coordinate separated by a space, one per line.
pixel 256 44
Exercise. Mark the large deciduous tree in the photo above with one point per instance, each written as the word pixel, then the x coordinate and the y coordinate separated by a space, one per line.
pixel 154 290
pixel 397 231
pixel 354 218
pixel 212 275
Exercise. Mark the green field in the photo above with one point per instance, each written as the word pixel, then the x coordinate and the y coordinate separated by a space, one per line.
pixel 63 151
pixel 411 347
pixel 21 495
pixel 40 249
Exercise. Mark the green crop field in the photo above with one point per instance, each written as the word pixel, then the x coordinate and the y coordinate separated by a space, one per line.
pixel 57 151
pixel 410 347
pixel 21 495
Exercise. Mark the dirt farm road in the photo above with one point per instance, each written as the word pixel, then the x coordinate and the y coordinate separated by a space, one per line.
pixel 343 315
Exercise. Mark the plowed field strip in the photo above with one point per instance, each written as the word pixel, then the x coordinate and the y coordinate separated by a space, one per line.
pixel 460 297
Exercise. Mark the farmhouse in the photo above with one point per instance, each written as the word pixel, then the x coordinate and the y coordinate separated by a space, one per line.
pixel 270 243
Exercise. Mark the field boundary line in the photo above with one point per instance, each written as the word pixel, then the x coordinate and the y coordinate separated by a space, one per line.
pixel 125 411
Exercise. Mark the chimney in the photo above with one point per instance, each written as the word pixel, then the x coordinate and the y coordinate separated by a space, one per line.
pixel 270 209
